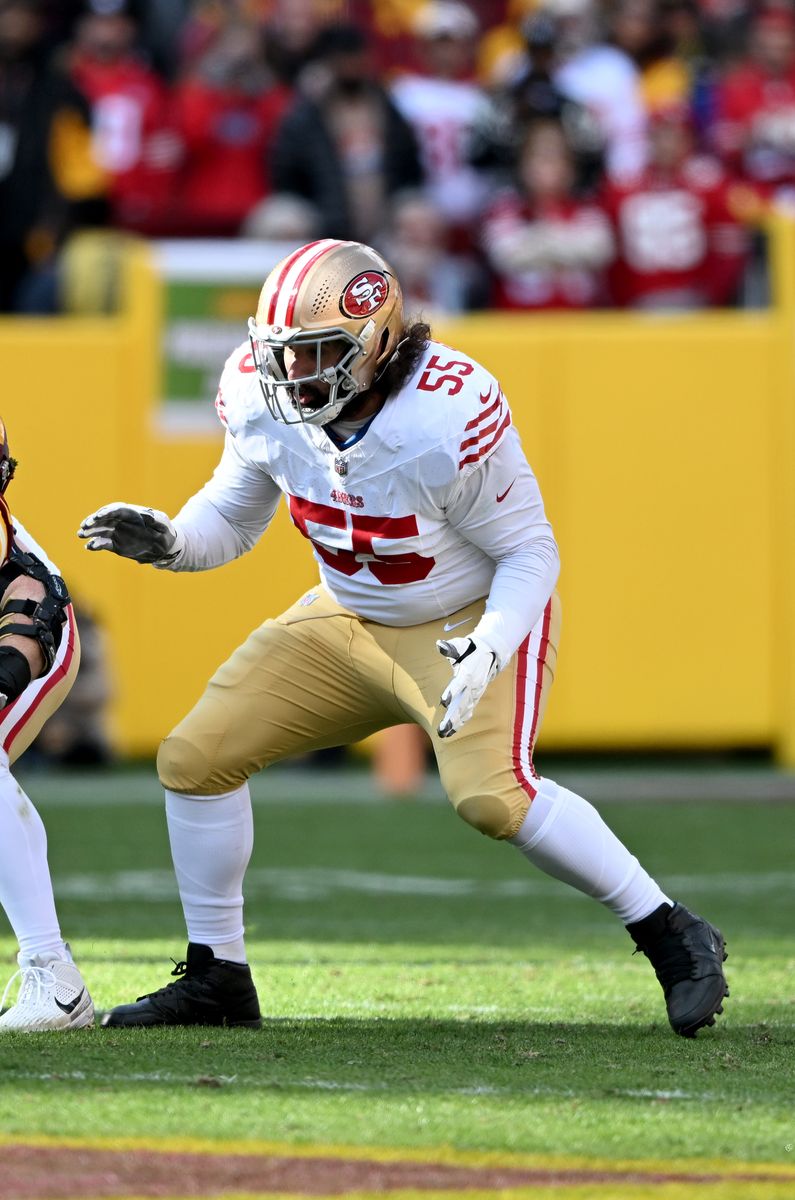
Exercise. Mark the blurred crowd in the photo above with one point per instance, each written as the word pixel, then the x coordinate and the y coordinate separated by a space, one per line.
pixel 510 154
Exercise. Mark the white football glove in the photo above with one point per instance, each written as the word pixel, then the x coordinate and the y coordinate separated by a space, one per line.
pixel 474 666
pixel 143 534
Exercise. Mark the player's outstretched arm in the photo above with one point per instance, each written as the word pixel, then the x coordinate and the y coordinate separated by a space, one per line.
pixel 223 520
pixel 143 534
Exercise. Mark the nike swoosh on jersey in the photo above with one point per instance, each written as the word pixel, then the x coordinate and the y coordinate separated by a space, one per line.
pixel 455 624
pixel 505 493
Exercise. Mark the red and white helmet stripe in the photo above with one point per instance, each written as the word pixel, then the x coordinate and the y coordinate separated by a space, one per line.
pixel 282 301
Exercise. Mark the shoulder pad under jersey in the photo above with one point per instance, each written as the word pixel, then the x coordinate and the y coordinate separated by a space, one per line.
pixel 239 398
pixel 464 402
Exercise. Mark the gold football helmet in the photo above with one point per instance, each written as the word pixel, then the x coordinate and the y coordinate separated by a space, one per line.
pixel 326 292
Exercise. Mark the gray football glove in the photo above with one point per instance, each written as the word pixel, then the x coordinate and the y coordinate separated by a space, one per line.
pixel 474 666
pixel 142 534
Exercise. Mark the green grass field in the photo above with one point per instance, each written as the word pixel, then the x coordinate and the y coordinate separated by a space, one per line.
pixel 422 986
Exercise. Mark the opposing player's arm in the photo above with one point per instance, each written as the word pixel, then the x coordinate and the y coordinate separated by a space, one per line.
pixel 26 646
pixel 32 615
pixel 221 522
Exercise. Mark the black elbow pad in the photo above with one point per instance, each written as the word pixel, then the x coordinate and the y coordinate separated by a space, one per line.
pixel 45 617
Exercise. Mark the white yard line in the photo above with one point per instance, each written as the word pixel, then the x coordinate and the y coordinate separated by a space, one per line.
pixel 299 787
pixel 310 884
pixel 338 1085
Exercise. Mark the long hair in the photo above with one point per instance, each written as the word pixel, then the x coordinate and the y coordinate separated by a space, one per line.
pixel 412 344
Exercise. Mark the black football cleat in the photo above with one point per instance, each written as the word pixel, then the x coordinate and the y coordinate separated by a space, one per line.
pixel 209 991
pixel 687 954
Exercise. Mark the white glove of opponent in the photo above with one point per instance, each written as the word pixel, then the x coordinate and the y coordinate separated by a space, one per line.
pixel 474 666
pixel 143 534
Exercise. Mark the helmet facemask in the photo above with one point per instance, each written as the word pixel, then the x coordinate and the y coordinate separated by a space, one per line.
pixel 339 382
pixel 326 292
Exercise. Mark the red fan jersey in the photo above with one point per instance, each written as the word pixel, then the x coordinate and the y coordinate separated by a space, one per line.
pixel 755 127
pixel 227 135
pixel 134 139
pixel 677 238
pixel 546 259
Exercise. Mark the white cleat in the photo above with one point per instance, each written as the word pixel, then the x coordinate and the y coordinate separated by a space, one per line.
pixel 52 995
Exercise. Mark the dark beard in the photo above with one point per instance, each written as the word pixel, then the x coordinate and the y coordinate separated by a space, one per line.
pixel 308 397
pixel 353 409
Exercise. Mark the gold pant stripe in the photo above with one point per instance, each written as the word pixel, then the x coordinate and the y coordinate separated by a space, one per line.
pixel 531 659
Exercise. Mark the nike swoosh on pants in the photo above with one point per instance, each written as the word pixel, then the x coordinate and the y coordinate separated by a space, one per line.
pixel 455 624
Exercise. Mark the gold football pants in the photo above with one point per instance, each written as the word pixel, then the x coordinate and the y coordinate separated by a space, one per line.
pixel 319 676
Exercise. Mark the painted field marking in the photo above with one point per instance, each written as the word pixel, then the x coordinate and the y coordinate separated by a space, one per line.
pixel 615 1190
pixel 726 1168
pixel 310 884
pixel 618 1190
pixel 335 1085
pixel 282 786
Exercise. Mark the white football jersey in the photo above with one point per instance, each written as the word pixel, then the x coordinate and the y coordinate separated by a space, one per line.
pixel 443 113
pixel 410 519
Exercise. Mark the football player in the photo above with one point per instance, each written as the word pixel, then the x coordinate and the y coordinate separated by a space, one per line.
pixel 400 464
pixel 39 656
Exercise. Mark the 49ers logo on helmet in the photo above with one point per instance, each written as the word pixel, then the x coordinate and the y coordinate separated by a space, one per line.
pixel 364 294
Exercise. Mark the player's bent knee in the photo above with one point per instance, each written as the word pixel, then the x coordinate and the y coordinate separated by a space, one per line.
pixel 183 767
pixel 489 815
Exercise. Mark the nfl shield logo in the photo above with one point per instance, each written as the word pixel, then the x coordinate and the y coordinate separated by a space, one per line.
pixel 341 466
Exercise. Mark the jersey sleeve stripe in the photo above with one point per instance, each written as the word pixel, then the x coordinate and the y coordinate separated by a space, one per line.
pixel 487 446
pixel 484 415
pixel 478 437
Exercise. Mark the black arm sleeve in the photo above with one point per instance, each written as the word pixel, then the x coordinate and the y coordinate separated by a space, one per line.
pixel 14 674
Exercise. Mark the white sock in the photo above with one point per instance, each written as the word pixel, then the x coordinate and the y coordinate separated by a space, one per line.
pixel 211 841
pixel 25 885
pixel 564 836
